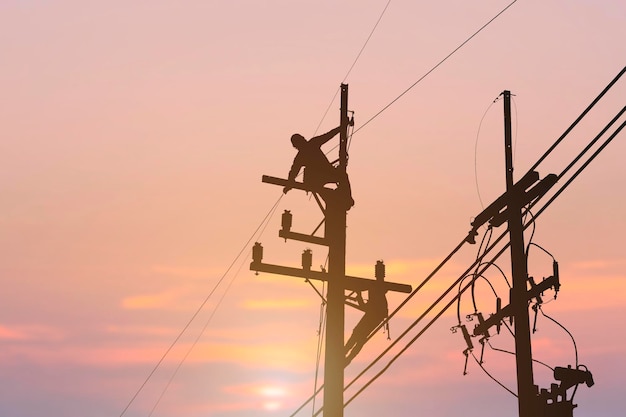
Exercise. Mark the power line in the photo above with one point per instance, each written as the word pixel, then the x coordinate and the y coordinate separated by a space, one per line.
pixel 386 367
pixel 195 314
pixel 487 264
pixel 582 115
pixel 352 66
pixel 436 66
pixel 239 255
pixel 195 342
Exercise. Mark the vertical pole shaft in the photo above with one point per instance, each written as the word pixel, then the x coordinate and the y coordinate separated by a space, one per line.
pixel 343 134
pixel 336 234
pixel 519 268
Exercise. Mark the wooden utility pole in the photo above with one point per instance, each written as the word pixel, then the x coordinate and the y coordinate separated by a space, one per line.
pixel 519 299
pixel 338 202
pixel 336 233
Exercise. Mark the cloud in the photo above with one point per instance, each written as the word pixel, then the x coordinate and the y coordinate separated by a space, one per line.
pixel 396 269
pixel 181 299
pixel 140 330
pixel 151 301
pixel 7 333
pixel 31 333
pixel 186 271
pixel 277 304
pixel 287 356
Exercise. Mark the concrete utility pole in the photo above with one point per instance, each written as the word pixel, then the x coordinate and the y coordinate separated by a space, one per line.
pixel 335 213
pixel 527 397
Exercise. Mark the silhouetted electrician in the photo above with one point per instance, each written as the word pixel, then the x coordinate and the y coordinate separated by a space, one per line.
pixel 376 310
pixel 318 171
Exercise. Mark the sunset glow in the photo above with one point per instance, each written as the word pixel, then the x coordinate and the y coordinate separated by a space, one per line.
pixel 134 139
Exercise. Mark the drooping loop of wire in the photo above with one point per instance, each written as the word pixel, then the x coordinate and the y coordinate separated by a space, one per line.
pixel 480 260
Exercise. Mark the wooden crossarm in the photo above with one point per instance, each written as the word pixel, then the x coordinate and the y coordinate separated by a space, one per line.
pixel 352 283
pixel 293 184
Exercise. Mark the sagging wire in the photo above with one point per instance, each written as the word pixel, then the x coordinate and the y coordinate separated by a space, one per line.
pixel 590 159
pixel 320 335
pixel 470 317
pixel 499 269
pixel 437 65
pixel 566 331
pixel 204 302
pixel 492 377
pixel 195 342
pixel 482 206
pixel 529 213
pixel 540 247
pixel 417 336
pixel 484 241
pixel 320 342
pixel 515 137
pixel 582 115
pixel 513 353
pixel 417 321
pixel 352 66
pixel 496 256
pixel 501 251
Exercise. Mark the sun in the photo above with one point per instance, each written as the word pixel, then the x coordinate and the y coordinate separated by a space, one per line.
pixel 272 395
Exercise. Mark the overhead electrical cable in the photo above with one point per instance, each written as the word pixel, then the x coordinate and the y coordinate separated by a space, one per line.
pixel 476 151
pixel 487 264
pixel 468 285
pixel 436 66
pixel 352 66
pixel 197 339
pixel 195 314
pixel 513 353
pixel 248 242
pixel 492 377
pixel 582 115
pixel 585 164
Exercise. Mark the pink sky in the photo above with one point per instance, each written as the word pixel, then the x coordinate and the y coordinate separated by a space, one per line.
pixel 134 138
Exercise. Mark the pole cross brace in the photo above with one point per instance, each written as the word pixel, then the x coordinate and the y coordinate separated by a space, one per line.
pixel 497 212
pixel 352 283
pixel 507 311
pixel 323 191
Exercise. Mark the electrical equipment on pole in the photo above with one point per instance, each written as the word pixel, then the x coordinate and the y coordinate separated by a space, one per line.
pixel 334 204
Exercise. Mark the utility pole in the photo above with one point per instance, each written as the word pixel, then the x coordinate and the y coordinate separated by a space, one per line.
pixel 336 234
pixel 527 396
pixel 335 214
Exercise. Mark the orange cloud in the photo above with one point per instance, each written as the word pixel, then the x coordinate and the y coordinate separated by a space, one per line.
pixel 186 272
pixel 170 299
pixel 277 304
pixel 292 356
pixel 396 268
pixel 11 334
pixel 30 332
pixel 149 301
pixel 141 330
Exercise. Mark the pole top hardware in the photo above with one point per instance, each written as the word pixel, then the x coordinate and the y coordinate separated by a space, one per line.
pixel 521 194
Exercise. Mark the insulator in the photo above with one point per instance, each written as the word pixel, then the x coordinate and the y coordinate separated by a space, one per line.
pixel 481 320
pixel 555 274
pixel 498 308
pixel 532 285
pixel 286 220
pixel 379 270
pixel 307 259
pixel 467 337
pixel 257 252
